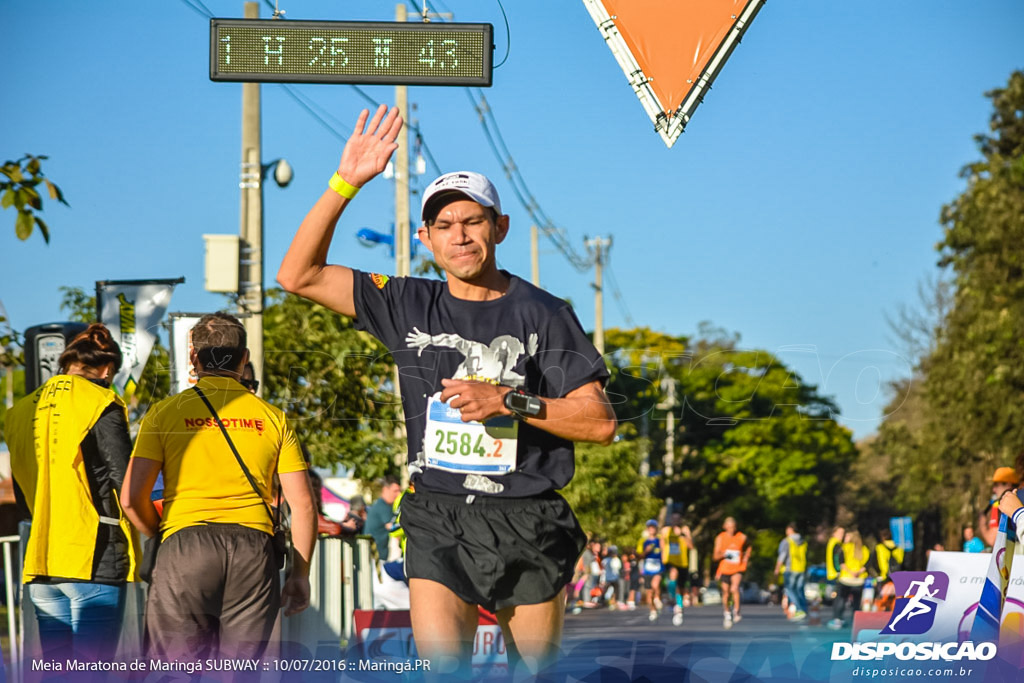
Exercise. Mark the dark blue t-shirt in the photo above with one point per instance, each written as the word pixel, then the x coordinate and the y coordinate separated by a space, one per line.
pixel 526 339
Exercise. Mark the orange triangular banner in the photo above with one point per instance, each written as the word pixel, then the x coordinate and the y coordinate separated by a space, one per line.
pixel 671 50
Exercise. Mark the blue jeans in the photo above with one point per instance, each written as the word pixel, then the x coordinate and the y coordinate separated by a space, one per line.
pixel 793 582
pixel 76 619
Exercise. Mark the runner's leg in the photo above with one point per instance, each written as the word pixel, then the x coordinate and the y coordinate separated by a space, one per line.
pixel 726 588
pixel 443 626
pixel 735 581
pixel 533 633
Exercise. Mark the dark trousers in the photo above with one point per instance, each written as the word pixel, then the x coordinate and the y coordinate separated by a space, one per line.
pixel 214 594
pixel 843 594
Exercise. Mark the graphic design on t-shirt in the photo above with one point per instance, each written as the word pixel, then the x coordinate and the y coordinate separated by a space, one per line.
pixel 493 363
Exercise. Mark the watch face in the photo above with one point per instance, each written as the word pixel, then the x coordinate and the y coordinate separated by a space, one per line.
pixel 522 404
pixel 518 402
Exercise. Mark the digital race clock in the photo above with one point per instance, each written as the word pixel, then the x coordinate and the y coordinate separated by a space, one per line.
pixel 397 53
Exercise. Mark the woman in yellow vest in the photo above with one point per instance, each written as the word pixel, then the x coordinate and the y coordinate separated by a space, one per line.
pixel 852 573
pixel 834 553
pixel 69 448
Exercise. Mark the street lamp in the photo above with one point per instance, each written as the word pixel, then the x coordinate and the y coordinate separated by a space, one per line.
pixel 370 238
pixel 283 173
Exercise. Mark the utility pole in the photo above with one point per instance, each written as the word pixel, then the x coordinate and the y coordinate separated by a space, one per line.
pixel 668 385
pixel 251 184
pixel 402 255
pixel 599 246
pixel 669 403
pixel 534 256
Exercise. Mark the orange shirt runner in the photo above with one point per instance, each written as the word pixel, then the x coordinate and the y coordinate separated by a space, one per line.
pixel 732 546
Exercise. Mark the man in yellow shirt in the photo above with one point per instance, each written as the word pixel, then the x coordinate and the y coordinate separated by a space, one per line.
pixel 675 554
pixel 215 591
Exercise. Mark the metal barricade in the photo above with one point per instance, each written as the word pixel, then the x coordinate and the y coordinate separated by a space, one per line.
pixel 340 581
pixel 12 578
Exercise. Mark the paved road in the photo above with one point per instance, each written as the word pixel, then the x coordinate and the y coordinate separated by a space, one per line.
pixel 600 644
pixel 701 621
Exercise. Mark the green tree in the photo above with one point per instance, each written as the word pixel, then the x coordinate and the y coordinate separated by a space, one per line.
pixel 751 439
pixel 335 384
pixel 976 375
pixel 963 407
pixel 19 187
pixel 12 361
pixel 608 494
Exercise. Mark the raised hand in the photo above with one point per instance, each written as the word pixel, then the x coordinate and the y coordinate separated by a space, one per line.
pixel 370 147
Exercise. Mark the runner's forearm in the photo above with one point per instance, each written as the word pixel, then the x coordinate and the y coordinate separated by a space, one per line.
pixel 304 270
pixel 577 419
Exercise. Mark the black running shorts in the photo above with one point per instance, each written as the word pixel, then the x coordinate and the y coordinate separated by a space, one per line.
pixel 492 552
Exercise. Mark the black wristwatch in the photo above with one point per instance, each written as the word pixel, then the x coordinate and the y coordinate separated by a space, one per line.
pixel 522 404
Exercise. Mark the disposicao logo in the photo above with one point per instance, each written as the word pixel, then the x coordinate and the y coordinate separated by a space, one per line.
pixel 920 593
pixel 914 614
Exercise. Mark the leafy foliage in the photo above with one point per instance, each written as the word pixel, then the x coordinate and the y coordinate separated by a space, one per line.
pixel 752 440
pixel 964 408
pixel 335 383
pixel 19 187
pixel 608 494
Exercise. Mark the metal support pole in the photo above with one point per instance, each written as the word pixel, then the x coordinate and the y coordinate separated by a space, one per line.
pixel 13 637
pixel 403 260
pixel 669 403
pixel 251 185
pixel 599 246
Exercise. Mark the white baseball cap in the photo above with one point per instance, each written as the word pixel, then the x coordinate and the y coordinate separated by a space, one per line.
pixel 474 185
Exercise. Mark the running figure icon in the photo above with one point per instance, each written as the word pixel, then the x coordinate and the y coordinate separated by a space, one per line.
pixel 914 606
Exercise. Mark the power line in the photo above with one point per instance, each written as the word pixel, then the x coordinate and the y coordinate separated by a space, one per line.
pixel 205 14
pixel 617 295
pixel 295 96
pixel 508 36
pixel 414 128
pixel 522 192
pixel 209 14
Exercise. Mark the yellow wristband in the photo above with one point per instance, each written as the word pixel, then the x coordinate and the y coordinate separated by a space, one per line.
pixel 346 190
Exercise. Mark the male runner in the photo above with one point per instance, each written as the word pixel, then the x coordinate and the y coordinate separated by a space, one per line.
pixel 675 553
pixel 649 553
pixel 498 381
pixel 732 550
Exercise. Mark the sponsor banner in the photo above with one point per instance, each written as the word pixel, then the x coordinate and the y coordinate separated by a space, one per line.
pixel 967 577
pixel 183 375
pixel 387 636
pixel 132 310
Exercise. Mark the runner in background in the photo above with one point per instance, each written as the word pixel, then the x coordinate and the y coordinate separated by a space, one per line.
pixel 792 564
pixel 732 551
pixel 633 594
pixel 648 552
pixel 675 553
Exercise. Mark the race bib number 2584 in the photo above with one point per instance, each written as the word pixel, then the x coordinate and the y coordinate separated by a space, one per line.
pixel 469 447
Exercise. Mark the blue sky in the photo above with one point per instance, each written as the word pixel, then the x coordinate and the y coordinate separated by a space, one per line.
pixel 799 207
